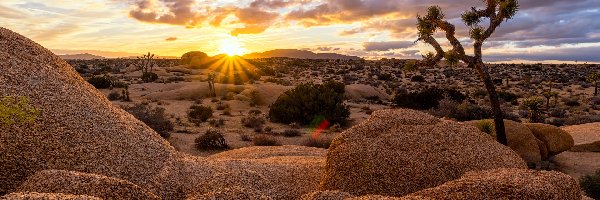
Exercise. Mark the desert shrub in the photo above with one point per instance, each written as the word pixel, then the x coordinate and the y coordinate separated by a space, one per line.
pixel 486 126
pixel 265 140
pixel 216 122
pixel 556 121
pixel 114 95
pixel 175 79
pixel 198 113
pixel 16 110
pixel 292 133
pixel 582 119
pixel 254 112
pixel 101 82
pixel 317 142
pixel 595 101
pixel 253 121
pixel 222 106
pixel 149 77
pixel 572 102
pixel 480 93
pixel 507 96
pixel 590 184
pixel 556 112
pixel 427 99
pixel 384 77
pixel 211 140
pixel 308 101
pixel 245 138
pixel 155 118
pixel 417 78
pixel 460 111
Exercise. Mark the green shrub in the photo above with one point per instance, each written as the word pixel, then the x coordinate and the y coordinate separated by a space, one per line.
pixel 427 99
pixel 461 111
pixel 590 184
pixel 317 142
pixel 211 140
pixel 101 82
pixel 309 101
pixel 155 118
pixel 149 77
pixel 486 126
pixel 198 114
pixel 265 140
pixel 16 110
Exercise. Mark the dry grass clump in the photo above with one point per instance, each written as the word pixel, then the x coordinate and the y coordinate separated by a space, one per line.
pixel 318 142
pixel 265 140
pixel 211 140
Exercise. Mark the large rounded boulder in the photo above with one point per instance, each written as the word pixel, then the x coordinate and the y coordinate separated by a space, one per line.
pixel 397 152
pixel 506 184
pixel 77 128
pixel 76 183
pixel 555 139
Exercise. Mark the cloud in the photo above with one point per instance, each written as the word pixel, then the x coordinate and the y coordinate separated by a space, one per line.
pixel 177 12
pixel 170 39
pixel 56 31
pixel 6 12
pixel 386 46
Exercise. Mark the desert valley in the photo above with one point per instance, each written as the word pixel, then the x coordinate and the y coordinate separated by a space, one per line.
pixel 326 123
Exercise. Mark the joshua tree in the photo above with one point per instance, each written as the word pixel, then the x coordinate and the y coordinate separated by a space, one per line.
pixel 548 95
pixel 146 63
pixel 534 105
pixel 497 11
pixel 594 78
pixel 211 84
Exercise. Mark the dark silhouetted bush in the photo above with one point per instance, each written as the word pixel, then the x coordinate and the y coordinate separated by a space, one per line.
pixel 101 82
pixel 198 114
pixel 149 77
pixel 155 118
pixel 590 184
pixel 211 140
pixel 292 133
pixel 507 96
pixel 114 95
pixel 417 78
pixel 461 111
pixel 427 99
pixel 309 101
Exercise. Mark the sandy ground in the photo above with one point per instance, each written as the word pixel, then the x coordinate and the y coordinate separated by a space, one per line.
pixel 578 164
pixel 585 133
pixel 176 98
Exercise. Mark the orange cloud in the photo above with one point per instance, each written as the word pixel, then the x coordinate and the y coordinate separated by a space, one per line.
pixel 170 39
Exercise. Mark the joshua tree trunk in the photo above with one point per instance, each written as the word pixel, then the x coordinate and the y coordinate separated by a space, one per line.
pixel 494 102
pixel 596 89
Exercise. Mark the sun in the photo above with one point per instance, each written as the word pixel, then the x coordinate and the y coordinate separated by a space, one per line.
pixel 231 47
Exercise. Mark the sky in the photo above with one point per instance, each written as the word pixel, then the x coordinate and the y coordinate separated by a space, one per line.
pixel 542 31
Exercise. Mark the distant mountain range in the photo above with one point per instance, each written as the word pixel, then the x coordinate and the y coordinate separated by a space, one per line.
pixel 278 53
pixel 301 54
pixel 83 56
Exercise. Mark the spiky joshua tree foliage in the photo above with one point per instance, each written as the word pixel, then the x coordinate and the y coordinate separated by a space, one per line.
pixel 497 11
